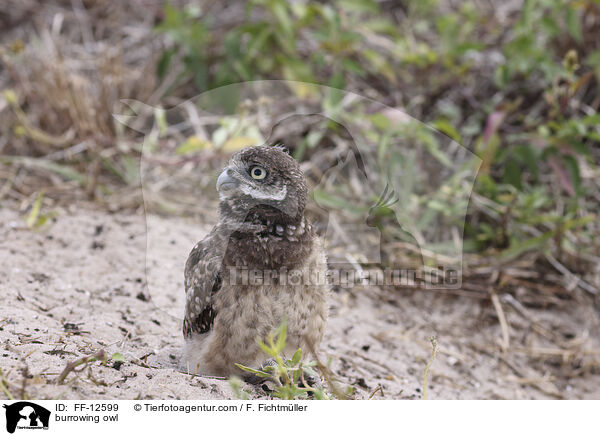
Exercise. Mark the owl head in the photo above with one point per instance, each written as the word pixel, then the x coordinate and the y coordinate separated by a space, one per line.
pixel 262 183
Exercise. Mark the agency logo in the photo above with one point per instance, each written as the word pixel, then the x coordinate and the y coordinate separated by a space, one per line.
pixel 26 415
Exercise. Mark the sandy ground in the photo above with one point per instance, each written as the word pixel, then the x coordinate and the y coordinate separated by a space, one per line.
pixel 79 285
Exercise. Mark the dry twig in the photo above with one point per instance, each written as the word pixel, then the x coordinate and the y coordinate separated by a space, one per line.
pixel 72 366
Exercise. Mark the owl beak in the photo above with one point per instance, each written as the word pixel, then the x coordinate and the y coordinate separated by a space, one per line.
pixel 225 182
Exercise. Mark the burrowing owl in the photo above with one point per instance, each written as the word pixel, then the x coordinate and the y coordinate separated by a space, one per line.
pixel 261 264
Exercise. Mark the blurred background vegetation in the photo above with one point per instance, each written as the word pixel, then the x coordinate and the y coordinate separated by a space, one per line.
pixel 516 82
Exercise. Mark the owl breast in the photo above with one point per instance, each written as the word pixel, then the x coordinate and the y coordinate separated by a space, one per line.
pixel 248 312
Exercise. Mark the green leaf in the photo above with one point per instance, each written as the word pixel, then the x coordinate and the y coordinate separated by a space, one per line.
pixel 448 129
pixel 236 385
pixel 258 41
pixel 335 93
pixel 518 248
pixel 296 357
pixel 280 12
pixel 328 201
pixel 526 13
pixel 527 156
pixel 237 143
pixel 512 174
pixel 592 120
pixel 310 371
pixel 193 144
pixel 430 143
pixel 573 169
pixel 62 170
pixel 359 5
pixel 268 350
pixel 380 121
pixel 10 96
pixel 281 337
pixel 32 219
pixel 353 67
pixel 161 120
pixel 252 370
pixel 118 357
pixel 573 24
pixel 164 63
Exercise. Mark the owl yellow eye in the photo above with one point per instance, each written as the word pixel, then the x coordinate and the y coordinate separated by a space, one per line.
pixel 258 173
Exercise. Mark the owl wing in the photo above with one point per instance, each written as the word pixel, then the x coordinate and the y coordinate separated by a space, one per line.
pixel 202 280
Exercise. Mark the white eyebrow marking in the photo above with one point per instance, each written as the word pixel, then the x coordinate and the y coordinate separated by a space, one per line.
pixel 259 195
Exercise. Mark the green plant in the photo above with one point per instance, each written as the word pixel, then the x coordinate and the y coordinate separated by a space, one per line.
pixel 35 219
pixel 524 118
pixel 288 376
pixel 4 386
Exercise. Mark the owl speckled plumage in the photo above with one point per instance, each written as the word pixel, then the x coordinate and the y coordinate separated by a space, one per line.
pixel 261 228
